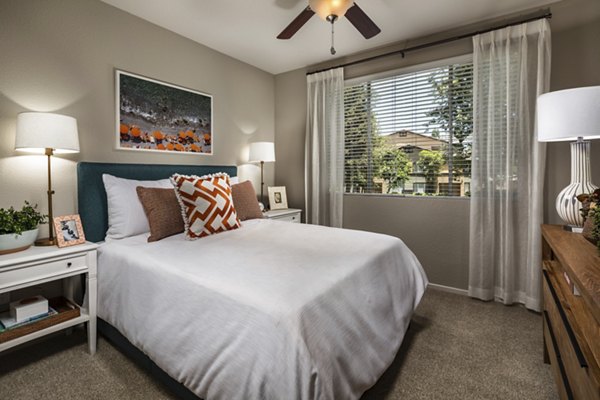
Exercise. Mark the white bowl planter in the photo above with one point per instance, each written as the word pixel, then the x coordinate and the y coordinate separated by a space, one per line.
pixel 11 243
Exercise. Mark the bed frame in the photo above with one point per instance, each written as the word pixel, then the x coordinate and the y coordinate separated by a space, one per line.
pixel 93 210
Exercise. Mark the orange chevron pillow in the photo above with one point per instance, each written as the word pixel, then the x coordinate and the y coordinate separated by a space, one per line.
pixel 206 204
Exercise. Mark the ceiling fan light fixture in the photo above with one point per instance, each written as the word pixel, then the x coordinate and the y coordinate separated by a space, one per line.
pixel 325 8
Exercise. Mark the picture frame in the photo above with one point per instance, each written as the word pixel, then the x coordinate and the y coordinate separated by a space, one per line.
pixel 69 231
pixel 156 116
pixel 277 197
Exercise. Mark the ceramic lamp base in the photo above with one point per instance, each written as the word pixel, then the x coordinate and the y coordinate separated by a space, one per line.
pixel 567 205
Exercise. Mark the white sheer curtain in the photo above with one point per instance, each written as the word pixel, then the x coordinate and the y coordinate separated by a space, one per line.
pixel 511 68
pixel 324 163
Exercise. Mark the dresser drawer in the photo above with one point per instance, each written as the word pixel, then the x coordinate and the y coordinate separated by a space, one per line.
pixel 558 369
pixel 572 355
pixel 12 278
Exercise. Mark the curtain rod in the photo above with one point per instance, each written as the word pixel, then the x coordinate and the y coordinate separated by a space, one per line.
pixel 546 15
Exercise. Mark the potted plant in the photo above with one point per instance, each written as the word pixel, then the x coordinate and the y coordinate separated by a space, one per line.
pixel 19 229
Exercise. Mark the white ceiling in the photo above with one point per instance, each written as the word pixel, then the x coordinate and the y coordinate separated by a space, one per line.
pixel 247 29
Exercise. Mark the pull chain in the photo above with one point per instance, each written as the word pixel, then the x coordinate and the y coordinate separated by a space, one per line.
pixel 332 39
pixel 332 18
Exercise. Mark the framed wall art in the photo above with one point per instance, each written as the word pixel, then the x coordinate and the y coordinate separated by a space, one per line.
pixel 161 117
pixel 69 230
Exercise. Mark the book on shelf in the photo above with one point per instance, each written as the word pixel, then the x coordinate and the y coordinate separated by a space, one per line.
pixel 8 322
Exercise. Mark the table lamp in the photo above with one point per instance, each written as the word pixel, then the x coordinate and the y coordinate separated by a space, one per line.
pixel 262 152
pixel 47 133
pixel 573 115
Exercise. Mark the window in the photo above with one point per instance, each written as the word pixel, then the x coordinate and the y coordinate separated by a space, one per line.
pixel 418 188
pixel 411 133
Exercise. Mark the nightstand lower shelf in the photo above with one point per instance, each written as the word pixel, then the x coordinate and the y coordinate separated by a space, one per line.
pixel 82 318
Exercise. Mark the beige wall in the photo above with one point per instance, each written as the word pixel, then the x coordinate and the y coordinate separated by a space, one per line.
pixel 437 230
pixel 575 62
pixel 60 56
pixel 290 120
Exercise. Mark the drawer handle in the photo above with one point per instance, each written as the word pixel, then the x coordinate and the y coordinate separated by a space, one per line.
pixel 561 367
pixel 580 357
pixel 69 264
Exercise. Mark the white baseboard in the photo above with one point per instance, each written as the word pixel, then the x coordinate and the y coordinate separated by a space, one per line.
pixel 449 289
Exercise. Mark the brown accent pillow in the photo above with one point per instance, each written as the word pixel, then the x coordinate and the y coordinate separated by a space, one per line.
pixel 162 210
pixel 245 202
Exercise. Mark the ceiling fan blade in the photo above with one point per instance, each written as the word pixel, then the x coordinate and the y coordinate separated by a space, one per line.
pixel 296 24
pixel 362 22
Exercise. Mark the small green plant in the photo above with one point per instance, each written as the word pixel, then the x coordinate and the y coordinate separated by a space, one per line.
pixel 13 221
pixel 591 211
pixel 589 202
pixel 595 215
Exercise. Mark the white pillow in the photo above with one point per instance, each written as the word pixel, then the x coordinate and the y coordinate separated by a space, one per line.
pixel 126 215
pixel 234 180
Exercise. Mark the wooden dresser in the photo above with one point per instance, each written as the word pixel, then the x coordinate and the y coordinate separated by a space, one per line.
pixel 571 265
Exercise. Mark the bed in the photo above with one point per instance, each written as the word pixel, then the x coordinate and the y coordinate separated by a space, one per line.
pixel 271 310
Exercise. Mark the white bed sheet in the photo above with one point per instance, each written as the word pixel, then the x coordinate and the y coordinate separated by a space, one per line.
pixel 272 310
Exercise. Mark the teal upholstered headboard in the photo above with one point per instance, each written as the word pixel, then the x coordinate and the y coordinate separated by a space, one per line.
pixel 91 196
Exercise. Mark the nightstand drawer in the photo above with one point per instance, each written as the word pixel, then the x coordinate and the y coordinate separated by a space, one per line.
pixel 289 218
pixel 285 215
pixel 27 273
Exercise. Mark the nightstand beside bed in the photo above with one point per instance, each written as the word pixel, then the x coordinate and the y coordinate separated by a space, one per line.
pixel 38 265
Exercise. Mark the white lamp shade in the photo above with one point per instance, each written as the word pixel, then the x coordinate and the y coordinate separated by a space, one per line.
pixel 38 131
pixel 569 114
pixel 325 8
pixel 262 151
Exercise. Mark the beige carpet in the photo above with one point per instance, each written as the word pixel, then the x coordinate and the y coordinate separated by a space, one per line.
pixel 457 348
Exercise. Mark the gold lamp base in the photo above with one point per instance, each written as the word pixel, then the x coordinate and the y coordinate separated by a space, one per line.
pixel 50 240
pixel 45 242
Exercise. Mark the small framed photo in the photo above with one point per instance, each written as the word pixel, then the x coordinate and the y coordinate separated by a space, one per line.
pixel 277 197
pixel 69 230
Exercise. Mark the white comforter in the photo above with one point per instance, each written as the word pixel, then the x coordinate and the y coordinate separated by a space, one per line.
pixel 273 310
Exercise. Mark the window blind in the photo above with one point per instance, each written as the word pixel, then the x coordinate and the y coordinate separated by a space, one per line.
pixel 410 133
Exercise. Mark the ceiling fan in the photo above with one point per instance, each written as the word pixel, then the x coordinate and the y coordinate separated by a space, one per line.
pixel 331 11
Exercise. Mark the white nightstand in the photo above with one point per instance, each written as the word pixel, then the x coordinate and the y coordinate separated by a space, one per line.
pixel 38 265
pixel 287 214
